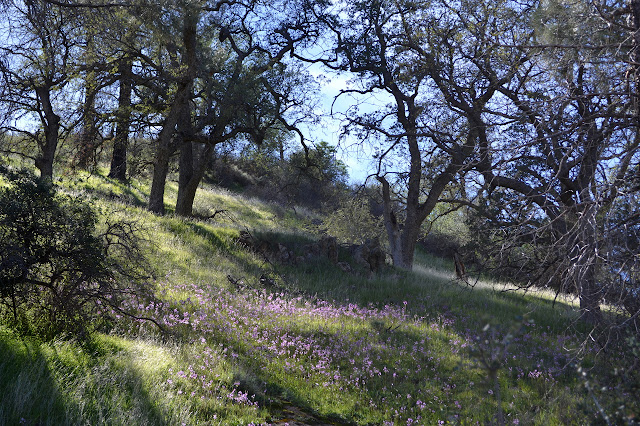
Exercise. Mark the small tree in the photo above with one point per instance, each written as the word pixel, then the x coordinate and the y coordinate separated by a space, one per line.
pixel 353 222
pixel 37 63
pixel 57 273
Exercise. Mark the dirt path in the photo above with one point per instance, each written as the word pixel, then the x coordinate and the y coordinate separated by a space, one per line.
pixel 296 416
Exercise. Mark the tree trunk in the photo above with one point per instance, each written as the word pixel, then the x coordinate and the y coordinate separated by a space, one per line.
pixel 193 162
pixel 402 240
pixel 402 237
pixel 408 241
pixel 51 125
pixel 165 147
pixel 587 266
pixel 87 143
pixel 123 122
pixel 391 223
pixel 187 187
pixel 590 298
pixel 184 203
pixel 395 244
pixel 582 263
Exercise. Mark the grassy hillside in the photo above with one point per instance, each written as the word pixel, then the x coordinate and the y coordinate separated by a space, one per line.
pixel 253 341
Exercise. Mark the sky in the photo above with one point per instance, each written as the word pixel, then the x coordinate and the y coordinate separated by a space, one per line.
pixel 356 156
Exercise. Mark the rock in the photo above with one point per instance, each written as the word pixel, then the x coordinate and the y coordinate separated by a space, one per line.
pixel 257 246
pixel 311 250
pixel 345 266
pixel 245 239
pixel 361 255
pixel 329 248
pixel 377 256
pixel 370 255
pixel 262 246
pixel 284 255
pixel 266 281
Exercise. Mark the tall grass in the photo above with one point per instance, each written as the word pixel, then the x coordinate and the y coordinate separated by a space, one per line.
pixel 316 345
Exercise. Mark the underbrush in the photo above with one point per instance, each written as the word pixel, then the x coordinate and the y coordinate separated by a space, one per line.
pixel 312 344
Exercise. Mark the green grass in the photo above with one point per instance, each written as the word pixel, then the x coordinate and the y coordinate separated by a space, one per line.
pixel 322 345
pixel 112 381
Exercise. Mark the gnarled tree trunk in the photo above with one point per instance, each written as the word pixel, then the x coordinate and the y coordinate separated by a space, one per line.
pixel 123 122
pixel 87 143
pixel 164 148
pixel 583 268
pixel 51 124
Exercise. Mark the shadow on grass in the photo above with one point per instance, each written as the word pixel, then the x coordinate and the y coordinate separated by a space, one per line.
pixel 428 292
pixel 215 239
pixel 28 392
pixel 109 189
pixel 119 386
pixel 62 383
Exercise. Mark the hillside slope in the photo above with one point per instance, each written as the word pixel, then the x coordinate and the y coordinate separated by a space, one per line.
pixel 254 340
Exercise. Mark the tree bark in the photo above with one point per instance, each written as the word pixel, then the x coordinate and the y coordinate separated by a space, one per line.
pixel 87 143
pixel 51 124
pixel 186 194
pixel 189 181
pixel 123 122
pixel 165 147
pixel 184 203
pixel 392 226
pixel 584 264
pixel 402 237
pixel 584 256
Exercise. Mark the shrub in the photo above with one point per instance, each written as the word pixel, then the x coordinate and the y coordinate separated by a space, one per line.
pixel 353 222
pixel 313 180
pixel 58 274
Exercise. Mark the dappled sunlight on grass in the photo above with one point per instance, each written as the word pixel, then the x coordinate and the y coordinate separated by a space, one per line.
pixel 432 273
pixel 234 210
pixel 118 381
pixel 99 185
pixel 399 347
pixel 371 364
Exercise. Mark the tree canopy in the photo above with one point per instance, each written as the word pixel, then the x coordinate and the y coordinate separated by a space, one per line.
pixel 524 115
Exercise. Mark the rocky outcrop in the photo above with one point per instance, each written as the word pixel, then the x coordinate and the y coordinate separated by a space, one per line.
pixel 369 255
pixel 254 244
pixel 329 248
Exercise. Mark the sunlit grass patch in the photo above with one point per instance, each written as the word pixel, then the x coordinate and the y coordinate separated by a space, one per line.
pixel 97 185
pixel 28 392
pixel 116 381
pixel 233 210
pixel 217 204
